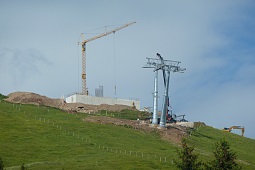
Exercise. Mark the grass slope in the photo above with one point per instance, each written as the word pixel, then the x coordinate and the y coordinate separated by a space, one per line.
pixel 205 137
pixel 47 138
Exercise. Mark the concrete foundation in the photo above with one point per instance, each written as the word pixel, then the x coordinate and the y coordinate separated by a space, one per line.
pixel 79 98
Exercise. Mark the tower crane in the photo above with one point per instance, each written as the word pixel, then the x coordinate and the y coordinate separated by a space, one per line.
pixel 83 48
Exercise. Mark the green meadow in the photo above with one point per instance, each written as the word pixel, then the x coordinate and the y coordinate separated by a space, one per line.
pixel 47 138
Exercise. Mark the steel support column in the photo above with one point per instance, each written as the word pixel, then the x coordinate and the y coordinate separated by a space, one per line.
pixel 165 102
pixel 155 100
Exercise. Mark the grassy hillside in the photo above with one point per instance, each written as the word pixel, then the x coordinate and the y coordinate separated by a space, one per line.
pixel 204 138
pixel 47 138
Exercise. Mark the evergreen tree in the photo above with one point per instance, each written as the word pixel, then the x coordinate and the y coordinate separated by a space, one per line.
pixel 188 160
pixel 22 167
pixel 1 164
pixel 225 159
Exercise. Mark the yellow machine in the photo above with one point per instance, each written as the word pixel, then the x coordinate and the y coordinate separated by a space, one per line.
pixel 234 127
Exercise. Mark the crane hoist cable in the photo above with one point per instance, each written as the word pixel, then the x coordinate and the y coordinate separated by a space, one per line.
pixel 114 57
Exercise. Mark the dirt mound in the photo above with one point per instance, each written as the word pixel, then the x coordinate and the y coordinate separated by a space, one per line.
pixel 33 98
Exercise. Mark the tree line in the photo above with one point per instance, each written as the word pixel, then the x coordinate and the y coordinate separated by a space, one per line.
pixel 224 158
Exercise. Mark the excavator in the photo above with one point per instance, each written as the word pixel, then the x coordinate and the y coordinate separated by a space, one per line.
pixel 234 127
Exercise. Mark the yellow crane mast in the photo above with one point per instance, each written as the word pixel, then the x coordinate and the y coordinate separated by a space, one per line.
pixel 83 46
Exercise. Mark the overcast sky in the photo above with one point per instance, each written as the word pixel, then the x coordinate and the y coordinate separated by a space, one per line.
pixel 214 40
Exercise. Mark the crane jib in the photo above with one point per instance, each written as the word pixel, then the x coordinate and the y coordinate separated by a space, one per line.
pixel 83 44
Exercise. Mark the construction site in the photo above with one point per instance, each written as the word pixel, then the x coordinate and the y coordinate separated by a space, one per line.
pixel 82 102
pixel 160 118
pixel 126 85
pixel 98 99
pixel 157 64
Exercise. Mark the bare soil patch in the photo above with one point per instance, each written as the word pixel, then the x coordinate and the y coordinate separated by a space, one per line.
pixel 33 98
pixel 173 133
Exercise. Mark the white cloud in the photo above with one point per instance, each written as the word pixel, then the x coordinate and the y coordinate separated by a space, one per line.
pixel 18 66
